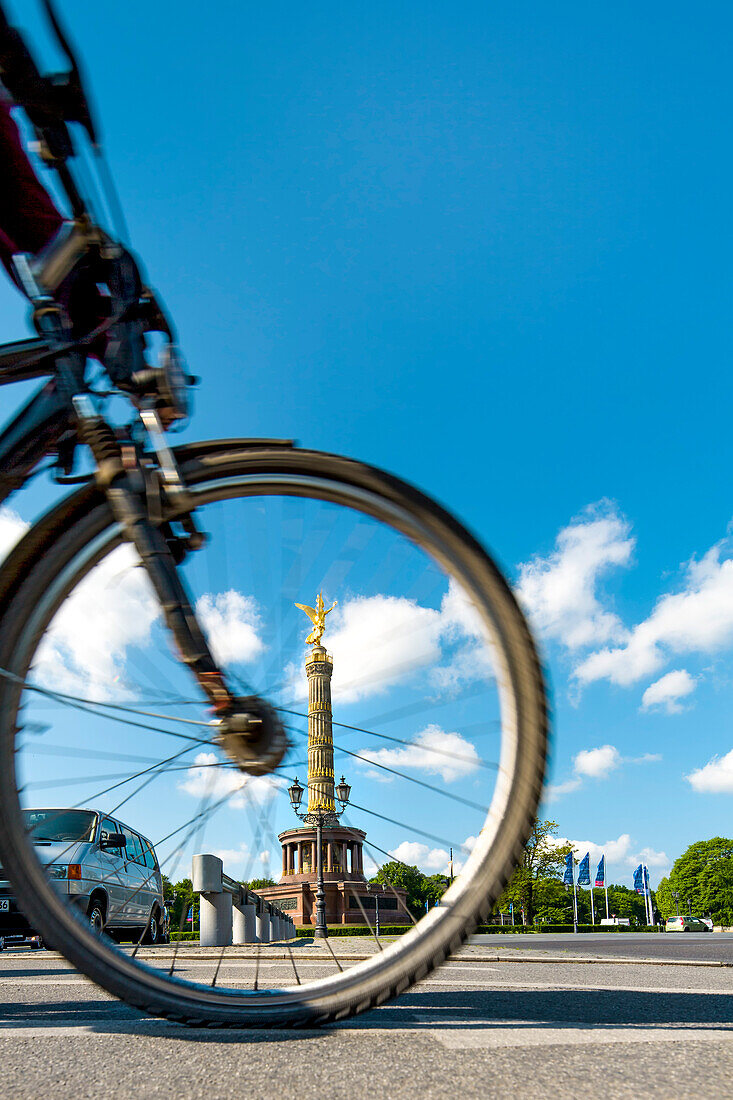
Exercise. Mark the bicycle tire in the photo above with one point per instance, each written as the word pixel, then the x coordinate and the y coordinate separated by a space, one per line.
pixel 44 562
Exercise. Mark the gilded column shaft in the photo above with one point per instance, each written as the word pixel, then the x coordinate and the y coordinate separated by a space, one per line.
pixel 319 668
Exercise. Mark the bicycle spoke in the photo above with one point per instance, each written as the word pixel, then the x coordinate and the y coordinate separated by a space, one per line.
pixel 414 713
pixel 399 741
pixel 292 959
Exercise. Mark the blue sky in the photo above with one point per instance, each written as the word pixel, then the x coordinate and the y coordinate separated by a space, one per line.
pixel 487 248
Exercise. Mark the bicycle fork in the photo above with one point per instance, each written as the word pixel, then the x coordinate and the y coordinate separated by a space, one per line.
pixel 248 728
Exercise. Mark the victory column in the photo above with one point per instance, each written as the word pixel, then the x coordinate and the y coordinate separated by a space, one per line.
pixel 334 864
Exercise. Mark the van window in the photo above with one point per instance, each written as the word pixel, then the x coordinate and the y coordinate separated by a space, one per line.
pixel 108 826
pixel 60 825
pixel 150 860
pixel 144 857
pixel 134 848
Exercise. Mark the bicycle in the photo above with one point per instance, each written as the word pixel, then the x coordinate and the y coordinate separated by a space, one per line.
pixel 437 629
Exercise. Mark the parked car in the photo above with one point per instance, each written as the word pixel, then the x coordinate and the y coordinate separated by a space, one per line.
pixel 687 924
pixel 109 871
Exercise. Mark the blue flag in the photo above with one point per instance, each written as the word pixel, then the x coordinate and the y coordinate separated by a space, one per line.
pixel 601 871
pixel 568 876
pixel 190 914
pixel 646 879
pixel 584 870
pixel 639 879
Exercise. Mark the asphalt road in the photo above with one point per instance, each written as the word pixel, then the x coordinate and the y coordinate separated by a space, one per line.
pixel 703 946
pixel 536 1028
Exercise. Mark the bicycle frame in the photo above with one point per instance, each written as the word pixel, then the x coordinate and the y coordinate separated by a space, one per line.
pixel 38 427
pixel 143 490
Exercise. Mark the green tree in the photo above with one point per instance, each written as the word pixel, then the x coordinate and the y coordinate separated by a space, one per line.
pixel 543 858
pixel 259 883
pixel 665 902
pixel 553 902
pixel 703 877
pixel 180 904
pixel 410 879
pixel 625 902
pixel 434 887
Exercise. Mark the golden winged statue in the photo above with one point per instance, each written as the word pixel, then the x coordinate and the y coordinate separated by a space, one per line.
pixel 317 616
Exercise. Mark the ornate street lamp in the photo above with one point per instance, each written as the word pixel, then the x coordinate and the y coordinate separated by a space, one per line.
pixel 317 818
pixel 296 794
pixel 376 885
pixel 343 793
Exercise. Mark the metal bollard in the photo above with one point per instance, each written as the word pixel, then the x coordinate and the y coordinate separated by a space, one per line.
pixel 243 923
pixel 215 907
pixel 262 925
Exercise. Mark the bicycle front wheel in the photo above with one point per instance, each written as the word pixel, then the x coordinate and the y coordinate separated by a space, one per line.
pixel 439 719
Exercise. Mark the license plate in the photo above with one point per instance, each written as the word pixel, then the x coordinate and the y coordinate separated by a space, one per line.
pixel 4 905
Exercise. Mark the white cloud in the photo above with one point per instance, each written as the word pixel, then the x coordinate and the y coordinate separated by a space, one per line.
pixel 238 857
pixel 665 693
pixel 716 777
pixel 697 619
pixel 622 857
pixel 652 858
pixel 379 641
pixel 433 861
pixel 560 591
pixel 232 857
pixel 553 791
pixel 370 867
pixel 434 751
pixel 12 528
pixel 617 851
pixel 595 764
pixel 205 780
pixel 113 608
pixel 232 624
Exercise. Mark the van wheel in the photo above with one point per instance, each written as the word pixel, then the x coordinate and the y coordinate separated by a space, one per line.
pixel 151 935
pixel 95 914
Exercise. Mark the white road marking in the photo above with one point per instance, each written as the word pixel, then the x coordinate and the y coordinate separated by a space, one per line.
pixel 71 978
pixel 517 1033
pixel 477 1034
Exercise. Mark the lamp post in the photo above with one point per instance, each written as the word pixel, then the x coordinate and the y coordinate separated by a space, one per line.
pixel 676 896
pixel 376 903
pixel 343 793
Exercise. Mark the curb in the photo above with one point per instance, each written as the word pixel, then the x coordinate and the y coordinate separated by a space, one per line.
pixel 529 957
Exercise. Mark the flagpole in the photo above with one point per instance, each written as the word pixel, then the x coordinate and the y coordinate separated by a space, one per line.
pixel 575 902
pixel 592 908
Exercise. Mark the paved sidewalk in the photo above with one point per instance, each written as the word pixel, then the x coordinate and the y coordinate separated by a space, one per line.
pixel 546 1029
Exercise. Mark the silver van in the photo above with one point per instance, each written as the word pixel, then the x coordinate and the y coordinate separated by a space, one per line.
pixel 106 868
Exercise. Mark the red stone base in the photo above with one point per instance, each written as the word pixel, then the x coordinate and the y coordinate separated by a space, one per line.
pixel 297 898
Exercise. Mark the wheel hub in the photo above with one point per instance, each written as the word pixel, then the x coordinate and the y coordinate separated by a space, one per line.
pixel 252 735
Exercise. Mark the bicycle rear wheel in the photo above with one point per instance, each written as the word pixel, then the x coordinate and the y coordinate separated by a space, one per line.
pixel 439 715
